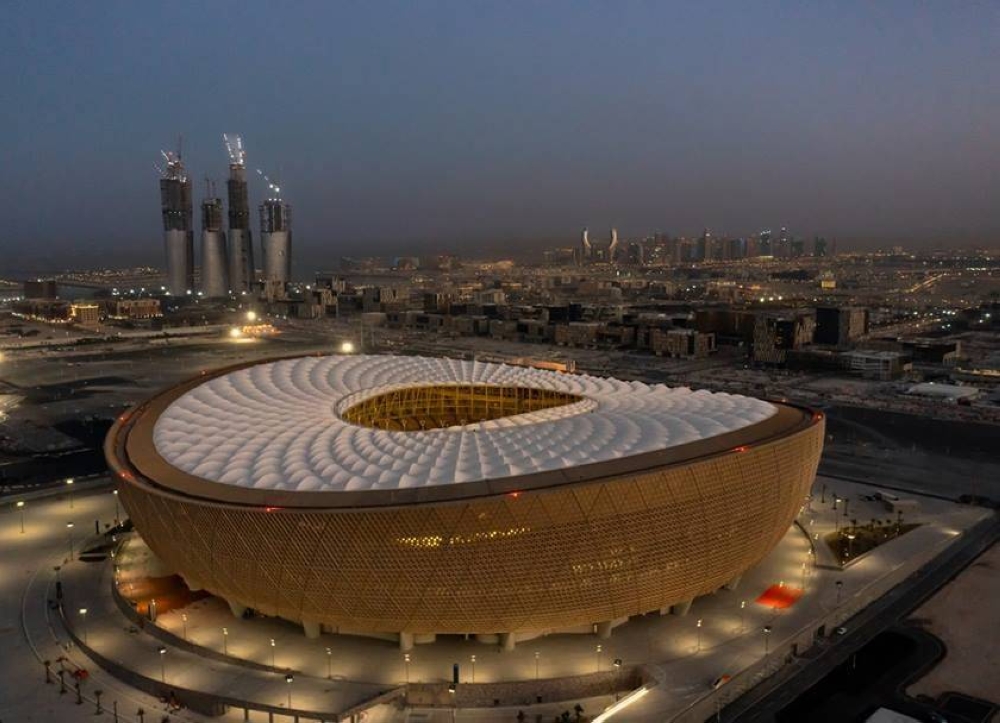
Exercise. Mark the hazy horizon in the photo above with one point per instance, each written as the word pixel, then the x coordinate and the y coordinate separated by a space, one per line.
pixel 399 129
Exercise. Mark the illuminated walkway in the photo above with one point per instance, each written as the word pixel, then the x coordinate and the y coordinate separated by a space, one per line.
pixel 684 656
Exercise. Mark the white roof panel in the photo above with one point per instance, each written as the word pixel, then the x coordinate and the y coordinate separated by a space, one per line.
pixel 277 425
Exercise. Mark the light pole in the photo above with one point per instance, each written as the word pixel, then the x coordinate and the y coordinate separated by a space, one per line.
pixel 69 487
pixel 599 649
pixel 163 666
pixel 406 664
pixel 840 586
pixel 20 509
pixel 184 621
pixel 225 641
pixel 473 660
pixel 272 652
pixel 537 656
pixel 288 680
pixel 115 493
pixel 767 638
pixel 618 676
pixel 83 624
pixel 329 663
pixel 69 533
pixel 743 615
pixel 698 626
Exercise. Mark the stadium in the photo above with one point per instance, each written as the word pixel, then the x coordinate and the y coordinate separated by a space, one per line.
pixel 406 497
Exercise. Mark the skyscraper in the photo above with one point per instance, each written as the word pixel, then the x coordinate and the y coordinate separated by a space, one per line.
pixel 214 259
pixel 241 266
pixel 178 238
pixel 276 238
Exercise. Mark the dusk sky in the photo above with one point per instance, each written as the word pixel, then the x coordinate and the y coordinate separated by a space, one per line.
pixel 463 126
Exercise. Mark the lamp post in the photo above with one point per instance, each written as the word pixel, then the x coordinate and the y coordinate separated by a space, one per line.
pixel 272 652
pixel 69 533
pixel 473 661
pixel 115 493
pixel 599 649
pixel 850 545
pixel 743 615
pixel 83 624
pixel 20 509
pixel 184 621
pixel 329 663
pixel 840 586
pixel 537 656
pixel 225 641
pixel 767 637
pixel 163 666
pixel 288 681
pixel 406 664
pixel 618 676
pixel 698 626
pixel 69 488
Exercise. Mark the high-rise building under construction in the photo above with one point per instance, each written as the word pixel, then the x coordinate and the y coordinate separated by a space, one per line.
pixel 178 237
pixel 276 237
pixel 214 259
pixel 241 266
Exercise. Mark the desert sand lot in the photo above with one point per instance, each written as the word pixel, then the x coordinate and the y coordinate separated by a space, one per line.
pixel 963 615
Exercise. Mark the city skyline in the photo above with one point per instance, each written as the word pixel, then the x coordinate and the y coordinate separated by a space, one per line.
pixel 398 129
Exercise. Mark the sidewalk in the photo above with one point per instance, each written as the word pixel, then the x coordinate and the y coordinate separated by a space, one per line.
pixel 682 657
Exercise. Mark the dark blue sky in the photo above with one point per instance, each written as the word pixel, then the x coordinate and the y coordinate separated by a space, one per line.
pixel 460 125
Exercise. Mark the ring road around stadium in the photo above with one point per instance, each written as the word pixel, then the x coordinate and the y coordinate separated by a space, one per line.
pixel 410 496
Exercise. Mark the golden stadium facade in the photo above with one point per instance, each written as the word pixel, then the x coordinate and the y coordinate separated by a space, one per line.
pixel 418 496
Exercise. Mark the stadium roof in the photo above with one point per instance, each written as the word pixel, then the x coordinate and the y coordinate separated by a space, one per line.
pixel 278 425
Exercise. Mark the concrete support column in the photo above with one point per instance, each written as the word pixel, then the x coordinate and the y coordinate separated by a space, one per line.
pixel 604 630
pixel 681 608
pixel 507 641
pixel 734 583
pixel 236 608
pixel 311 629
pixel 406 642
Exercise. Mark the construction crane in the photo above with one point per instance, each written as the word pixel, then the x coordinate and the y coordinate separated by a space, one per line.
pixel 234 147
pixel 174 168
pixel 273 187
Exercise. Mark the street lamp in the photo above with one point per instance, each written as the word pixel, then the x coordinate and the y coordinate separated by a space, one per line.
pixel 743 615
pixel 767 635
pixel 20 509
pixel 251 316
pixel 225 641
pixel 599 649
pixel 163 666
pixel 406 664
pixel 329 663
pixel 850 545
pixel 473 660
pixel 69 533
pixel 117 513
pixel 184 620
pixel 272 652
pixel 618 676
pixel 537 656
pixel 698 625
pixel 288 680
pixel 69 486
pixel 83 624
pixel 840 586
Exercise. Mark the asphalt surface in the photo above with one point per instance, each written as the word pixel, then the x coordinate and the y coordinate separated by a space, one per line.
pixel 763 703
